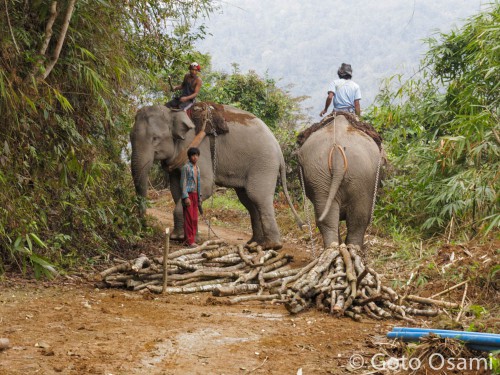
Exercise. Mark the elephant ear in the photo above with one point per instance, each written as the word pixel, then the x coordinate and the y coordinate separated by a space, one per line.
pixel 181 124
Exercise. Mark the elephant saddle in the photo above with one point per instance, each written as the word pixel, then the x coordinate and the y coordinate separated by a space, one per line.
pixel 209 117
pixel 365 127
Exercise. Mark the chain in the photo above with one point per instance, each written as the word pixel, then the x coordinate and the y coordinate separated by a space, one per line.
pixel 306 210
pixel 214 169
pixel 375 192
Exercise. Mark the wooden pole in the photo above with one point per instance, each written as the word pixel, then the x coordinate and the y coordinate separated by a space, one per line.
pixel 165 259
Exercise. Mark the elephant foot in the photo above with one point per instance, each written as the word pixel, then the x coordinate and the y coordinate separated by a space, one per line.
pixel 251 246
pixel 271 245
pixel 255 239
pixel 177 235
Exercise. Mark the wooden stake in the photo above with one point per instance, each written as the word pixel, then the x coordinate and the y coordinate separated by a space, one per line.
pixel 449 289
pixel 462 304
pixel 165 259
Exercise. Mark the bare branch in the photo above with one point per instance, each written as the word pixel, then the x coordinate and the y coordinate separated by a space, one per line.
pixel 48 28
pixel 10 27
pixel 60 41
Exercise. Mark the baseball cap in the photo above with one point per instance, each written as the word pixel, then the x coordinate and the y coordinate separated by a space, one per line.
pixel 195 66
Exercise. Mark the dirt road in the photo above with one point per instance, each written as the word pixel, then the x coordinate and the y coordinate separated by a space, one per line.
pixel 69 326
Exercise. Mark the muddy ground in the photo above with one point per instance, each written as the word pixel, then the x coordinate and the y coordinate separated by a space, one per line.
pixel 68 326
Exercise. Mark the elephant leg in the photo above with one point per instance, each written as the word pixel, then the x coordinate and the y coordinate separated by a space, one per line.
pixel 257 233
pixel 329 227
pixel 262 198
pixel 175 189
pixel 357 222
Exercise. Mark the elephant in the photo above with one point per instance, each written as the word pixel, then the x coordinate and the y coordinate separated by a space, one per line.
pixel 341 165
pixel 247 158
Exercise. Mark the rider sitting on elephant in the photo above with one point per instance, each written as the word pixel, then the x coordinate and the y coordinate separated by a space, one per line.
pixel 190 87
pixel 344 92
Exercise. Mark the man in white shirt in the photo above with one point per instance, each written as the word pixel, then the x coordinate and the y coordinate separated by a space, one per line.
pixel 344 92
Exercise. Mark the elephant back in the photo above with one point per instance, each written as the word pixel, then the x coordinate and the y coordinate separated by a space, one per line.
pixel 352 119
pixel 212 117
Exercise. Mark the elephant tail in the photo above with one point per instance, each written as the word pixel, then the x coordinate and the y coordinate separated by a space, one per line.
pixel 337 171
pixel 285 191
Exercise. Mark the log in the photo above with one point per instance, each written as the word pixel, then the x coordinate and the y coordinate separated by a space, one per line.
pixel 244 257
pixel 353 315
pixel 253 297
pixel 197 249
pixel 364 301
pixel 140 263
pixel 121 277
pixel 115 284
pixel 196 283
pixel 219 252
pixel 279 274
pixel 370 313
pixel 118 268
pixel 183 265
pixel 429 301
pixel 296 277
pixel 350 275
pixel 426 312
pixel 393 295
pixel 141 286
pixel 235 289
pixel 337 281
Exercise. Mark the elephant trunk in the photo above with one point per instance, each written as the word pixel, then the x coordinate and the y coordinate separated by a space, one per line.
pixel 141 163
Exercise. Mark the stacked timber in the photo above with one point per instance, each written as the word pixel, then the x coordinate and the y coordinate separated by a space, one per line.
pixel 337 281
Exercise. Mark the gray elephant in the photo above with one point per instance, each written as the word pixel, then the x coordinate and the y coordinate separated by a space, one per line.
pixel 341 166
pixel 247 158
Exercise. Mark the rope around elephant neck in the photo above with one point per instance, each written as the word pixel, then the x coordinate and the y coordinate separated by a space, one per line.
pixel 306 210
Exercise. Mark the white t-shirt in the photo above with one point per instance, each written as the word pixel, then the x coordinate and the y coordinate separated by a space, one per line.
pixel 346 92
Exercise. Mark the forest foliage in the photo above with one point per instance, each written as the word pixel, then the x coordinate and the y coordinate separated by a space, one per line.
pixel 70 74
pixel 73 72
pixel 442 131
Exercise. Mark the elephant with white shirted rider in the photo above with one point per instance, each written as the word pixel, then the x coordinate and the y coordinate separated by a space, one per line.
pixel 248 158
pixel 341 166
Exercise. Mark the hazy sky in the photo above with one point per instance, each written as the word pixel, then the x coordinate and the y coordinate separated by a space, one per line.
pixel 303 42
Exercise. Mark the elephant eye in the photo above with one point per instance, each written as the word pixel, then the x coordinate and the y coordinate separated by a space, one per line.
pixel 177 137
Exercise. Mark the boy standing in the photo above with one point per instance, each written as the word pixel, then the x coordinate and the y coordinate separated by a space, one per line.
pixel 191 196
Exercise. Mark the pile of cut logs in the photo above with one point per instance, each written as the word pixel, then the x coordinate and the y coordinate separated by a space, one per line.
pixel 337 281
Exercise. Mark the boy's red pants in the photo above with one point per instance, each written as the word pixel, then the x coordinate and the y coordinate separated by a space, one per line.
pixel 191 219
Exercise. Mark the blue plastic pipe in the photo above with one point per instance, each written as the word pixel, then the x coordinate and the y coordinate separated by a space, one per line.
pixel 474 340
pixel 439 331
pixel 490 340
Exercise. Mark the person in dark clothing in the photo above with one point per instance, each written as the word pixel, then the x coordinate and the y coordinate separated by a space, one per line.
pixel 191 196
pixel 190 87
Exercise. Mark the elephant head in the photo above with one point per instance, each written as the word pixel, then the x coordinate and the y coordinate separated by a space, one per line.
pixel 159 133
